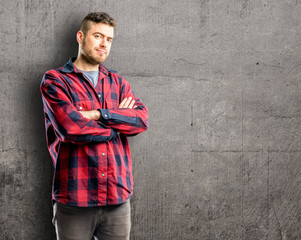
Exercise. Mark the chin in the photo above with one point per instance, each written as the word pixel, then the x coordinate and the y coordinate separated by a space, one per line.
pixel 96 61
pixel 100 60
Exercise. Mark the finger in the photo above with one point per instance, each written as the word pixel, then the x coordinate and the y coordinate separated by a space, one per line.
pixel 122 103
pixel 127 103
pixel 132 104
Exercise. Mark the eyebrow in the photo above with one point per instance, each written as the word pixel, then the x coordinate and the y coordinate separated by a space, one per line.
pixel 103 35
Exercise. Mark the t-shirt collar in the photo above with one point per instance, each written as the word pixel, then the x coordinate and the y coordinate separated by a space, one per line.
pixel 69 67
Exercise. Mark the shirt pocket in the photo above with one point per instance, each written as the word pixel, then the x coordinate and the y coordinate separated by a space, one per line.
pixel 85 105
pixel 111 103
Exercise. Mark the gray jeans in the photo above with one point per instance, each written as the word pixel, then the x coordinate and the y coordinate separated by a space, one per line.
pixel 102 223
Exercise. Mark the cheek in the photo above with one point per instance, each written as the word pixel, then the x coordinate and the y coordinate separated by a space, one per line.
pixel 90 42
pixel 109 48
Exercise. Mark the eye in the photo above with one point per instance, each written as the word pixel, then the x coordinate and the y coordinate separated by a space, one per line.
pixel 109 40
pixel 98 36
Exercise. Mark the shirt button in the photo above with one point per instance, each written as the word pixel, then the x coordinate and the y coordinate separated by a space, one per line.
pixel 102 174
pixel 103 154
pixel 106 115
pixel 80 108
pixel 99 95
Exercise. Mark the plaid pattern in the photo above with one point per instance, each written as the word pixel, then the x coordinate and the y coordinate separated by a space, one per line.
pixel 92 159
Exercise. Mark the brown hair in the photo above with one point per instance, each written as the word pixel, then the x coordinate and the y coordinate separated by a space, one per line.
pixel 96 17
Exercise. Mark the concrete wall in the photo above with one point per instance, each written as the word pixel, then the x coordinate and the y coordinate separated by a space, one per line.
pixel 222 81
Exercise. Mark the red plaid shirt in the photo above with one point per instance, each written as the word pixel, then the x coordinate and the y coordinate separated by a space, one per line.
pixel 92 161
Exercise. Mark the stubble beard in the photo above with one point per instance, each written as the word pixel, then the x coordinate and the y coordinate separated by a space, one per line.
pixel 88 57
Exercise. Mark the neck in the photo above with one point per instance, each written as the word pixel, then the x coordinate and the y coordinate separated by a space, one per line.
pixel 84 65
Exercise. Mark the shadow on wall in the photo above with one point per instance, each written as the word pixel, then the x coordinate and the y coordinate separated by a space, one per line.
pixel 65 46
pixel 65 42
pixel 41 171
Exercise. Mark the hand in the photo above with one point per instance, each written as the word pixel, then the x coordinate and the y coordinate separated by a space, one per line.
pixel 127 103
pixel 92 115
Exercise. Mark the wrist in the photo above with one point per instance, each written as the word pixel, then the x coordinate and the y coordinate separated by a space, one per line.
pixel 97 114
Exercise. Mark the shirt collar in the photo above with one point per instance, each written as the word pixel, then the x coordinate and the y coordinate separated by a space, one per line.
pixel 69 67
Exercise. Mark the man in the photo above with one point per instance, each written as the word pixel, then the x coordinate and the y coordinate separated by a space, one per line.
pixel 89 112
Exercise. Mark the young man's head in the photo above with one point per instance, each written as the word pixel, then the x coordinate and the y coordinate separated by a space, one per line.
pixel 95 37
pixel 96 17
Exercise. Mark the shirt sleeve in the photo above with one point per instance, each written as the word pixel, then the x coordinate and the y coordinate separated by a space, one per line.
pixel 124 120
pixel 69 124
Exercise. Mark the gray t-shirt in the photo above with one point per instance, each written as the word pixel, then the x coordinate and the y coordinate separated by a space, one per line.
pixel 92 76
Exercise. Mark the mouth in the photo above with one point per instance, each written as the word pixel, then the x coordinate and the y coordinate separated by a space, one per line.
pixel 101 51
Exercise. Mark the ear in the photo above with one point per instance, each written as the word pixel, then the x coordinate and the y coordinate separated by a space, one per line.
pixel 79 36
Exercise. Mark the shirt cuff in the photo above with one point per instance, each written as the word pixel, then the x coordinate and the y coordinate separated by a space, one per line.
pixel 105 115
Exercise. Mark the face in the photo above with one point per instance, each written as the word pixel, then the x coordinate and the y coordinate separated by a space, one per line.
pixel 95 46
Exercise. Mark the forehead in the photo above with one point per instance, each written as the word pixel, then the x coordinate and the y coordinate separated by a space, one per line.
pixel 102 28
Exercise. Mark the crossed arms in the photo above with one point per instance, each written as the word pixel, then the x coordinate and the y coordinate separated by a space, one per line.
pixel 69 124
pixel 96 114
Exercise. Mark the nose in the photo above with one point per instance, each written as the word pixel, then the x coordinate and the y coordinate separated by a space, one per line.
pixel 103 42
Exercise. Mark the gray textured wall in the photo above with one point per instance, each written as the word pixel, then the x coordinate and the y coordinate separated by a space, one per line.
pixel 222 81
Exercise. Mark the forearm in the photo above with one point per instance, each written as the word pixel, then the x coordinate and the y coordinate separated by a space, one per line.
pixel 127 121
pixel 92 114
pixel 75 128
